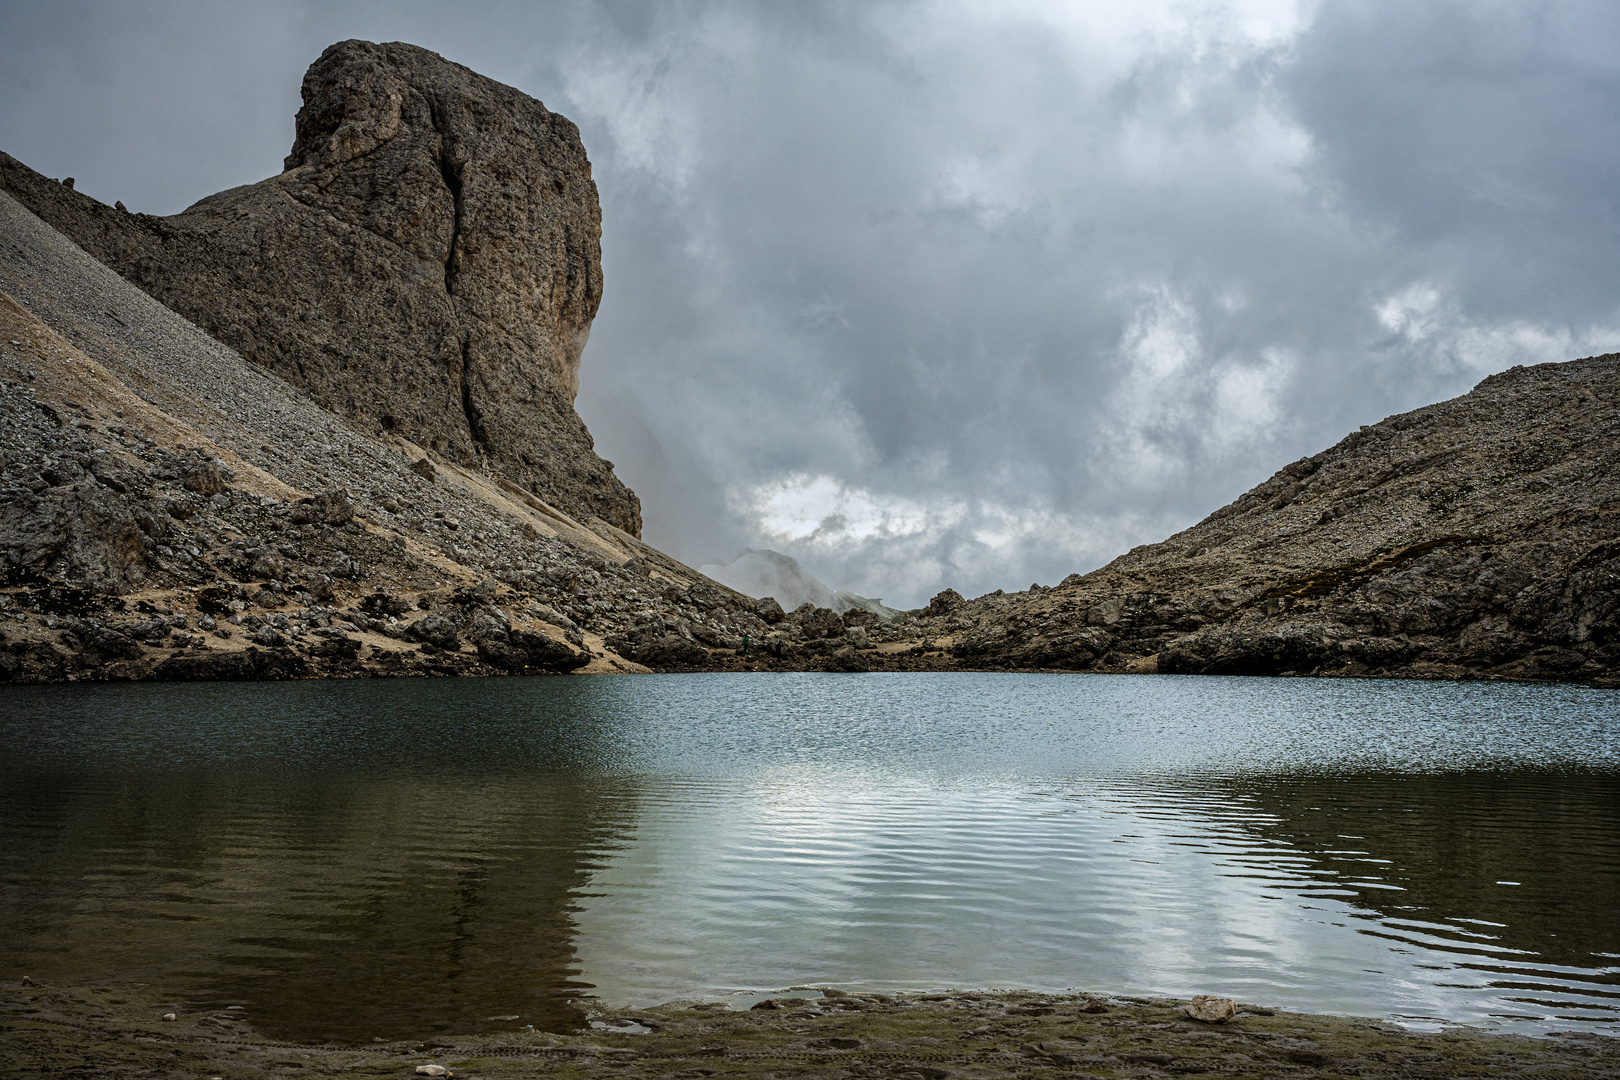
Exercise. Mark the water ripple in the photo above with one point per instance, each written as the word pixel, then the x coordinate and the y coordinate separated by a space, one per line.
pixel 366 860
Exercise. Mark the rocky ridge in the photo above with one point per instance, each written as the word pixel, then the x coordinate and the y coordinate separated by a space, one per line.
pixel 428 265
pixel 1477 537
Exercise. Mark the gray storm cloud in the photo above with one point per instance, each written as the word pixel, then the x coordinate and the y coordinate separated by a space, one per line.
pixel 955 293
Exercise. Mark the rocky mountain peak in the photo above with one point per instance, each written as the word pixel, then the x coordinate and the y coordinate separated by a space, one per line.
pixel 428 265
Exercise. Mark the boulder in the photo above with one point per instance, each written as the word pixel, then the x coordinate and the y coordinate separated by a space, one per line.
pixel 341 648
pixel 817 622
pixel 249 664
pixel 268 565
pixel 382 604
pixel 671 650
pixel 1211 1009
pixel 547 653
pixel 846 659
pixel 153 630
pixel 100 644
pixel 205 476
pixel 487 624
pixel 861 617
pixel 546 613
pixel 214 601
pixel 329 507
pixel 434 630
pixel 522 650
pixel 90 537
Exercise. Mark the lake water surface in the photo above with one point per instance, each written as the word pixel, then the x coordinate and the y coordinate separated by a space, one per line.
pixel 351 860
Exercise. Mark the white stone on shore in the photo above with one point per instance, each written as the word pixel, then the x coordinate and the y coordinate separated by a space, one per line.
pixel 1211 1009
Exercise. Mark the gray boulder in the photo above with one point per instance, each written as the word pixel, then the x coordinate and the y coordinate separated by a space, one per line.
pixel 89 537
pixel 434 630
pixel 522 650
pixel 329 507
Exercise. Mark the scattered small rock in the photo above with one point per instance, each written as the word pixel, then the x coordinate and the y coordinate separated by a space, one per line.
pixel 331 507
pixel 382 604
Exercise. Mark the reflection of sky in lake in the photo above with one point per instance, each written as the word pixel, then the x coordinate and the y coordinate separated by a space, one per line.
pixel 1118 885
pixel 477 848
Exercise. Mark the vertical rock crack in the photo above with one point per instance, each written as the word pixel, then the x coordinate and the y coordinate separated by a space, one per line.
pixel 451 172
pixel 475 419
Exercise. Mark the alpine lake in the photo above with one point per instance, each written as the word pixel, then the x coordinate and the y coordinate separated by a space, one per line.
pixel 351 861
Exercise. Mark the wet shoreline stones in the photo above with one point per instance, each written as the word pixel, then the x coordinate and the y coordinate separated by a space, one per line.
pixel 116 1032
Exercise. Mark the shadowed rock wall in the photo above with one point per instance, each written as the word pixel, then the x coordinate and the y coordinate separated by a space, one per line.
pixel 429 263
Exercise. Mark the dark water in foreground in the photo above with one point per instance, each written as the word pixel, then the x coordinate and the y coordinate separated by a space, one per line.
pixel 395 859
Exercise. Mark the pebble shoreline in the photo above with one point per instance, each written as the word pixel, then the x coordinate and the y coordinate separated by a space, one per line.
pixel 97 1033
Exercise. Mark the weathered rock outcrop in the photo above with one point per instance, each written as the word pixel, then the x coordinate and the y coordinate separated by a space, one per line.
pixel 428 264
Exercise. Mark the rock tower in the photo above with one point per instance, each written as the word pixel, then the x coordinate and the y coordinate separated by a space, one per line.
pixel 428 264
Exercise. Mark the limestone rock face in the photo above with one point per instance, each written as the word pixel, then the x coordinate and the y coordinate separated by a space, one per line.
pixel 428 264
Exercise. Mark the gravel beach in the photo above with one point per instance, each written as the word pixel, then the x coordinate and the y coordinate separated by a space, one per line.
pixel 87 1032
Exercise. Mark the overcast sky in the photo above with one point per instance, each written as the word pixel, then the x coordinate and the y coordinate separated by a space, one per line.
pixel 963 293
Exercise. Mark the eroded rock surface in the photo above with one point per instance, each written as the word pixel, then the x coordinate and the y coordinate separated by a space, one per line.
pixel 428 264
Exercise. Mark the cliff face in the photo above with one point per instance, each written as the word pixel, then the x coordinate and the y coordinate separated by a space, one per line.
pixel 428 265
pixel 1478 536
pixel 169 510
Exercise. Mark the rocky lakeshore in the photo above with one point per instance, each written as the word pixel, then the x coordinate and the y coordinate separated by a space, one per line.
pixel 99 1032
